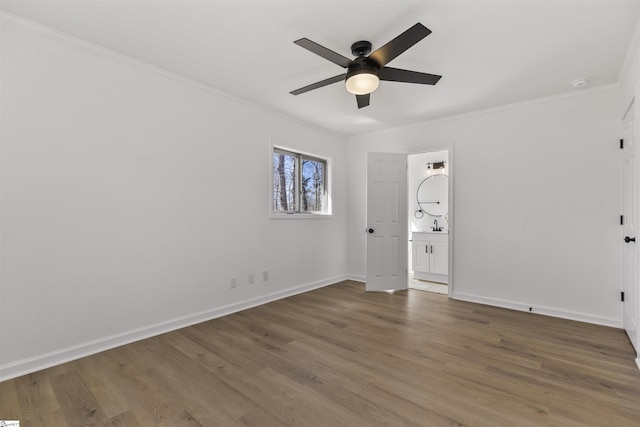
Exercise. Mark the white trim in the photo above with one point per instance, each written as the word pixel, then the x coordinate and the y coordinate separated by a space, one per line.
pixel 36 363
pixel 357 278
pixel 89 46
pixel 631 50
pixel 84 44
pixel 299 215
pixel 638 362
pixel 546 311
pixel 628 110
pixel 498 108
pixel 451 225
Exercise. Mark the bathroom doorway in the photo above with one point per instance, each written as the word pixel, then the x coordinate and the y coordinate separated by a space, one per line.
pixel 429 197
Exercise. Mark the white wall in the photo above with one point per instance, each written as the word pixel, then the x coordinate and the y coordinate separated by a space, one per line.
pixel 536 203
pixel 131 197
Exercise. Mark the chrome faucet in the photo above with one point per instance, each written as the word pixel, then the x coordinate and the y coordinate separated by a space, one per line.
pixel 435 221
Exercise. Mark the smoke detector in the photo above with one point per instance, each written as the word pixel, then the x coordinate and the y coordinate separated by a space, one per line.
pixel 581 82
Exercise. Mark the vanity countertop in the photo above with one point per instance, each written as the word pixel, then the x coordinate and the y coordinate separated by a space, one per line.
pixel 431 232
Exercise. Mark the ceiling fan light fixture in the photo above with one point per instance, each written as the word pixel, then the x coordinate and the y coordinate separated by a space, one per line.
pixel 365 71
pixel 362 81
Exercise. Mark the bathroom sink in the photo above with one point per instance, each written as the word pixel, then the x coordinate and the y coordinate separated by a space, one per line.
pixel 442 231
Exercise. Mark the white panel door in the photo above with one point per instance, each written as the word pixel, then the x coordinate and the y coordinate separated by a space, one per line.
pixel 387 233
pixel 631 308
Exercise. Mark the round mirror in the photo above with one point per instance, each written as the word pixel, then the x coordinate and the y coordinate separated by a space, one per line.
pixel 433 195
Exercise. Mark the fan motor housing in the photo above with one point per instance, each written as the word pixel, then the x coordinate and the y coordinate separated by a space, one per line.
pixel 362 65
pixel 361 48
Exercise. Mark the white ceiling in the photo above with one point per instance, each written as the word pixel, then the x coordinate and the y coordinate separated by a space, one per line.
pixel 490 53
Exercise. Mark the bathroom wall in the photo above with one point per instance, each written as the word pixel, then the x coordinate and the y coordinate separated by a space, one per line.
pixel 417 172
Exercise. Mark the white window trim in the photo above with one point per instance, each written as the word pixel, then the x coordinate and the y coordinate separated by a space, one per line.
pixel 329 184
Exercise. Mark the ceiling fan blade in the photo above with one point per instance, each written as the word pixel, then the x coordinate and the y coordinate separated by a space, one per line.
pixel 363 100
pixel 407 76
pixel 316 85
pixel 322 51
pixel 404 41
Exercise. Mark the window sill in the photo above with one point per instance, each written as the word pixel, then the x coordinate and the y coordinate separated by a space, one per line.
pixel 298 215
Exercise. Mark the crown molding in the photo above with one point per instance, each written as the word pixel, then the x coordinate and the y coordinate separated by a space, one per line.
pixel 80 43
pixel 499 108
pixel 632 50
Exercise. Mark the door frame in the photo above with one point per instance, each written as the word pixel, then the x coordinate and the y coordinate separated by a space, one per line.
pixel 631 289
pixel 450 149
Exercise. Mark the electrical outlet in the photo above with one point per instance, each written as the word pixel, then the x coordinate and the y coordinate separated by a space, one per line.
pixel 234 283
pixel 252 278
pixel 265 275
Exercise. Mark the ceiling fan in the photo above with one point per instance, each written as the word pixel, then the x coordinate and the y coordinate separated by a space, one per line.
pixel 365 72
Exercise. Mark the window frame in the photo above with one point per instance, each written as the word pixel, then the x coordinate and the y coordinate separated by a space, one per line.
pixel 301 155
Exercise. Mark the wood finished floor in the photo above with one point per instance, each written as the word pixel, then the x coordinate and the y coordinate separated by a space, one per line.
pixel 339 356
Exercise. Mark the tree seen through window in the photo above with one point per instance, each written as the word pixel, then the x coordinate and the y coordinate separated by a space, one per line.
pixel 299 183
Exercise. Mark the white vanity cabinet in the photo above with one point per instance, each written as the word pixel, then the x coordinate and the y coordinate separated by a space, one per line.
pixel 430 259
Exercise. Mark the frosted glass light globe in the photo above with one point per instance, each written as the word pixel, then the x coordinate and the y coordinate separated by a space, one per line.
pixel 362 84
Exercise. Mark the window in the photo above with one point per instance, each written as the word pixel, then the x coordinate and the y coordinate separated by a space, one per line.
pixel 299 183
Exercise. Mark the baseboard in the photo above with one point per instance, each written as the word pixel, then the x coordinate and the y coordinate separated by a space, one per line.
pixel 47 360
pixel 357 278
pixel 546 311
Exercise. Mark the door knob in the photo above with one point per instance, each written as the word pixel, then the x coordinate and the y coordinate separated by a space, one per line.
pixel 629 239
pixel 370 230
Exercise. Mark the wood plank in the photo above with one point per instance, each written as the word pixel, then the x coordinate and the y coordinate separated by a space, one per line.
pixel 76 401
pixel 341 356
pixel 9 403
pixel 35 395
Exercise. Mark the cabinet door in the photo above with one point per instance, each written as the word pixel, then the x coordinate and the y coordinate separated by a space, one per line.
pixel 420 256
pixel 439 257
